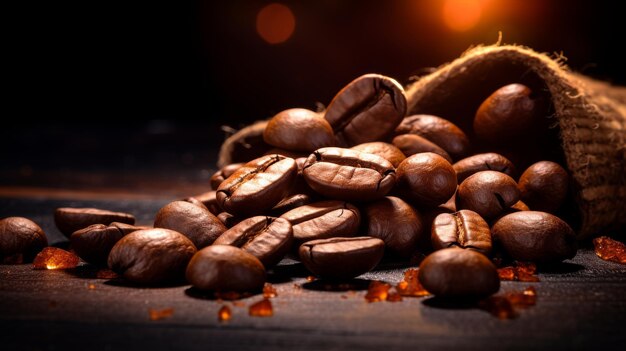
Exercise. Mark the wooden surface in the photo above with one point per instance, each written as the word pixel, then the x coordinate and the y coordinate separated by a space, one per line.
pixel 580 305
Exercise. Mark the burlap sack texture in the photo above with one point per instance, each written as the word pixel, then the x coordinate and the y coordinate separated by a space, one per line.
pixel 591 117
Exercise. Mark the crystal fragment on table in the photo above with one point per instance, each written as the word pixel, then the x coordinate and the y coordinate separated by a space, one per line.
pixel 262 308
pixel 610 250
pixel 377 291
pixel 269 291
pixel 55 258
pixel 224 314
pixel 156 315
pixel 410 286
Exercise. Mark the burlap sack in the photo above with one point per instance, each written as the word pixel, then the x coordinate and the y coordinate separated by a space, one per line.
pixel 591 116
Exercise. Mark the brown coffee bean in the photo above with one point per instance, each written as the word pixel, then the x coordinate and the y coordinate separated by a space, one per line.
pixel 367 109
pixel 341 258
pixel 207 200
pixel 94 243
pixel 543 186
pixel 299 129
pixel 442 132
pixel 347 174
pixel 489 193
pixel 508 114
pixel 465 229
pixel 459 273
pixel 535 236
pixel 384 150
pixel 483 162
pixel 411 144
pixel 258 185
pixel 229 220
pixel 218 177
pixel 20 240
pixel 324 219
pixel 225 268
pixel 196 223
pixel 427 179
pixel 266 238
pixel 69 220
pixel 396 223
pixel 151 256
pixel 289 203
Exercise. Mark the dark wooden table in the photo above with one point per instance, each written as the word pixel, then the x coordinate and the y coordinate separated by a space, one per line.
pixel 580 305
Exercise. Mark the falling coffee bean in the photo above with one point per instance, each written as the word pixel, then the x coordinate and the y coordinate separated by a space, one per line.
pixel 20 240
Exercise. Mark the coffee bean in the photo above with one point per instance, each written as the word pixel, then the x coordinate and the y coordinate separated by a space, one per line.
pixel 427 179
pixel 266 238
pixel 94 243
pixel 258 185
pixel 411 144
pixel 459 273
pixel 229 220
pixel 483 162
pixel 299 129
pixel 519 206
pixel 508 114
pixel 69 220
pixel 289 203
pixel 151 256
pixel 367 109
pixel 341 258
pixel 489 193
pixel 396 223
pixel 324 219
pixel 207 200
pixel 543 186
pixel 287 153
pixel 20 240
pixel 225 268
pixel 535 236
pixel 196 223
pixel 442 132
pixel 218 177
pixel 465 229
pixel 384 150
pixel 347 174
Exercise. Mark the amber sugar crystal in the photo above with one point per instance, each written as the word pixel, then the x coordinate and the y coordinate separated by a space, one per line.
pixel 520 271
pixel 262 308
pixel 377 291
pixel 610 250
pixel 505 307
pixel 156 315
pixel 410 286
pixel 269 291
pixel 224 314
pixel 55 258
pixel 106 274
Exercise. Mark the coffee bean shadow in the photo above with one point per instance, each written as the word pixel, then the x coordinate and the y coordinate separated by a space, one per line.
pixel 122 283
pixel 85 271
pixel 450 304
pixel 213 296
pixel 328 285
pixel 65 245
pixel 561 267
pixel 288 271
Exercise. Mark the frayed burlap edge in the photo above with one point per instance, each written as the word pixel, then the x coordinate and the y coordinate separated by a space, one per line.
pixel 592 120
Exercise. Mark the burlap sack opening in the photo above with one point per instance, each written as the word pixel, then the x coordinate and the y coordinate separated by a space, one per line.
pixel 590 118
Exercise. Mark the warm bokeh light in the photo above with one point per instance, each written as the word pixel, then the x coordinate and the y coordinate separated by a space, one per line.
pixel 462 15
pixel 275 23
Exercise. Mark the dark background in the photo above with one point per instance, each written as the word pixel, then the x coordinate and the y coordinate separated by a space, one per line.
pixel 128 85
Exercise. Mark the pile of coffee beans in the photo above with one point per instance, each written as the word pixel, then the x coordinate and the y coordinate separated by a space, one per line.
pixel 343 189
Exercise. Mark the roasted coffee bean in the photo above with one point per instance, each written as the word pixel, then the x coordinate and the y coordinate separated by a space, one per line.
pixel 411 144
pixel 289 203
pixel 207 200
pixel 347 174
pixel 218 177
pixel 508 114
pixel 489 193
pixel 426 179
pixel 244 145
pixel 229 220
pixel 341 258
pixel 367 109
pixel 196 223
pixel 225 268
pixel 543 186
pixel 288 153
pixel 535 236
pixel 483 162
pixel 299 129
pixel 324 219
pixel 20 240
pixel 384 150
pixel 151 256
pixel 69 220
pixel 396 223
pixel 266 238
pixel 258 185
pixel 465 229
pixel 459 273
pixel 94 243
pixel 442 132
